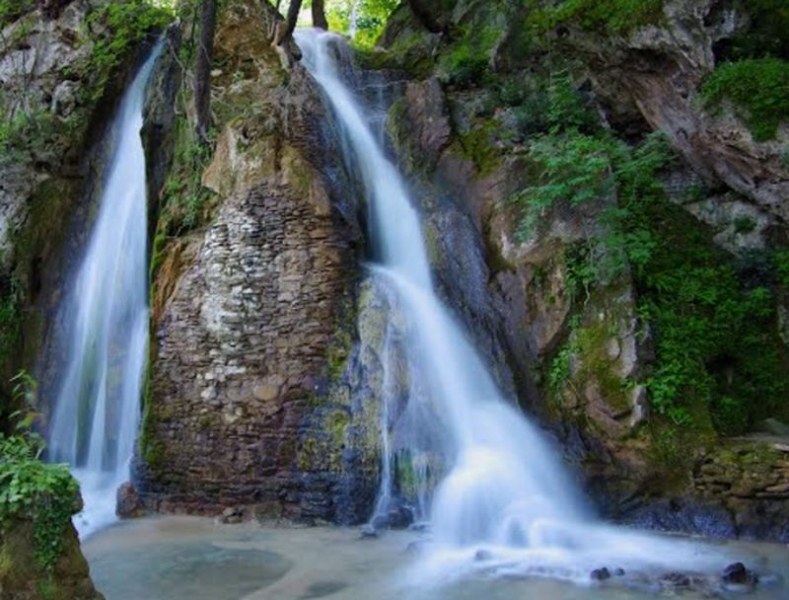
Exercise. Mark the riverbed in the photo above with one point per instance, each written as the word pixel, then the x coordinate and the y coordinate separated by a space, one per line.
pixel 189 558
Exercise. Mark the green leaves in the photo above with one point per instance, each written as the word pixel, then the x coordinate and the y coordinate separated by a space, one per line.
pixel 718 362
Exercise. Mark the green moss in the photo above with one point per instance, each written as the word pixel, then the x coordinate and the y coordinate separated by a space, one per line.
pixel 466 61
pixel 477 144
pixel 186 204
pixel 603 16
pixel 672 453
pixel 759 90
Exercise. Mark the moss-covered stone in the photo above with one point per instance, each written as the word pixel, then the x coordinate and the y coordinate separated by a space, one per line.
pixel 22 577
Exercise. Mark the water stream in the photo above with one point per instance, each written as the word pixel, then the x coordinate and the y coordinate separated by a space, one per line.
pixel 504 503
pixel 105 327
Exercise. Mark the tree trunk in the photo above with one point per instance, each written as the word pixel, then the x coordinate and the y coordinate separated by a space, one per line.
pixel 285 33
pixel 319 15
pixel 427 15
pixel 205 55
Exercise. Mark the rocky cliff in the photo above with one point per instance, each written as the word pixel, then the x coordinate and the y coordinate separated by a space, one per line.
pixel 253 307
pixel 627 289
pixel 632 325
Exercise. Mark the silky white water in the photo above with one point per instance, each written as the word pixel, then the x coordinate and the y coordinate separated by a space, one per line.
pixel 104 319
pixel 504 503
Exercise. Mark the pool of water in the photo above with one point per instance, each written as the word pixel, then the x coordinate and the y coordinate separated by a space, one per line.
pixel 186 558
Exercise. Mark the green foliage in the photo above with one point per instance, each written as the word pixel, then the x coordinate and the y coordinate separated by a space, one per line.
pixel 559 371
pixel 604 16
pixel 185 200
pixel 120 26
pixel 716 350
pixel 758 88
pixel 717 357
pixel 574 167
pixel 30 489
pixel 744 224
pixel 28 132
pixel 781 262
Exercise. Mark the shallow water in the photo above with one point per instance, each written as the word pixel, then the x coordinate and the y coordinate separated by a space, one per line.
pixel 185 558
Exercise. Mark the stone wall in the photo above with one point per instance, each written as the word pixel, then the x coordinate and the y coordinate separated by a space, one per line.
pixel 250 310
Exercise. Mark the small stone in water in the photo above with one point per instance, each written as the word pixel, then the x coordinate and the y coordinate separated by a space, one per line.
pixel 483 554
pixel 735 573
pixel 619 572
pixel 369 532
pixel 600 574
pixel 231 515
pixel 675 579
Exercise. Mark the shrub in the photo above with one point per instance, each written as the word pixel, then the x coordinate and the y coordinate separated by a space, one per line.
pixel 30 489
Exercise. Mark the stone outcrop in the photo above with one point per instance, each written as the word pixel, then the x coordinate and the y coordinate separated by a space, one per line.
pixel 250 310
pixel 23 578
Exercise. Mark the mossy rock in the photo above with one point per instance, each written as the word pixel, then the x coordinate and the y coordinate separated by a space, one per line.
pixel 23 578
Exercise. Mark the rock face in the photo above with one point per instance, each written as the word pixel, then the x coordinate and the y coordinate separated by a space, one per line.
pixel 579 355
pixel 249 310
pixel 57 102
pixel 658 69
pixel 22 578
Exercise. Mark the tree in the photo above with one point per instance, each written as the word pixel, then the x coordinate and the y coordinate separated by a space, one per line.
pixel 319 15
pixel 205 53
pixel 285 32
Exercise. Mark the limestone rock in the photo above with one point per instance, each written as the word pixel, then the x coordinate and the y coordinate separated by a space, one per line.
pixel 128 505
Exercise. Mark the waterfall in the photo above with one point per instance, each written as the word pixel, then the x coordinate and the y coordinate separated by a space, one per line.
pixel 503 501
pixel 104 319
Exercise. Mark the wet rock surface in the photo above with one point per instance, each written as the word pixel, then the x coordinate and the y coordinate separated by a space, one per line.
pixel 128 504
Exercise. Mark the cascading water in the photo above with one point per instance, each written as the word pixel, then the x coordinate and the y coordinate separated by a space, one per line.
pixel 104 321
pixel 502 491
